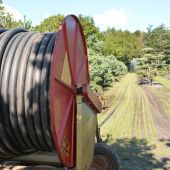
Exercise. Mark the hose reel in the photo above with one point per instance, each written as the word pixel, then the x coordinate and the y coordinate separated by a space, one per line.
pixel 45 100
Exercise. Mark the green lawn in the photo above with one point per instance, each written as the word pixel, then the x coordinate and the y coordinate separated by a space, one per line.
pixel 164 93
pixel 131 130
pixel 165 82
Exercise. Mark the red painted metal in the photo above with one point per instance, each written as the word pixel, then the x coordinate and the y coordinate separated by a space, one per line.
pixel 70 39
pixel 91 99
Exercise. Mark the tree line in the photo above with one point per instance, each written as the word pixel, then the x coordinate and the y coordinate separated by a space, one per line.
pixel 110 52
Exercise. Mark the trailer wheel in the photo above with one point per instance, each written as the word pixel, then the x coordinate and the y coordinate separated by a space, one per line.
pixel 104 158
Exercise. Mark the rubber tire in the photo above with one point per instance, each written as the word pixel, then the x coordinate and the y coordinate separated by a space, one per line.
pixel 106 151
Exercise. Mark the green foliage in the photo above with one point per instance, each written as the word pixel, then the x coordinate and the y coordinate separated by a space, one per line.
pixel 100 74
pixel 104 70
pixel 117 67
pixel 2 14
pixel 156 38
pixel 167 47
pixel 95 45
pixel 123 44
pixel 159 40
pixel 26 24
pixel 156 52
pixel 50 24
pixel 6 20
pixel 151 63
pixel 89 27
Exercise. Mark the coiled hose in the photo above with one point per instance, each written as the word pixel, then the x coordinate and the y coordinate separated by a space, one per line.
pixel 25 59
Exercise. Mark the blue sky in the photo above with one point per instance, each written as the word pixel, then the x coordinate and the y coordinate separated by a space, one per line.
pixel 124 14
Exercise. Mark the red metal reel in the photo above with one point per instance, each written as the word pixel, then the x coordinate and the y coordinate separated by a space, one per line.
pixel 69 70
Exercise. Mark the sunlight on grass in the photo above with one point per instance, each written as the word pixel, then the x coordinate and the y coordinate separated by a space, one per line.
pixel 131 130
pixel 164 93
pixel 163 81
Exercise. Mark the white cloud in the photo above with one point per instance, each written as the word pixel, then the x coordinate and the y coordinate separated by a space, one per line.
pixel 14 12
pixel 117 18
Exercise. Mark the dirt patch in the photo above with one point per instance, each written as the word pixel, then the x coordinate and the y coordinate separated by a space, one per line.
pixel 161 121
pixel 156 86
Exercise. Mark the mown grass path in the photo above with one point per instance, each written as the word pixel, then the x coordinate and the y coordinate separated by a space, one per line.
pixel 133 128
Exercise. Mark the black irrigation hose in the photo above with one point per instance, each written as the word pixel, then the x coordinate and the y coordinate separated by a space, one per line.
pixel 115 108
pixel 21 79
pixel 45 74
pixel 8 142
pixel 1 35
pixel 28 91
pixel 5 86
pixel 5 39
pixel 2 30
pixel 17 119
pixel 36 90
pixel 25 60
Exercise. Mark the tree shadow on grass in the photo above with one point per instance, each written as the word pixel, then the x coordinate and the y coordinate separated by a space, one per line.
pixel 136 154
pixel 168 143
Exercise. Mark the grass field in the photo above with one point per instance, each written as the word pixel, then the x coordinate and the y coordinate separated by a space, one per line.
pixel 164 93
pixel 163 81
pixel 138 129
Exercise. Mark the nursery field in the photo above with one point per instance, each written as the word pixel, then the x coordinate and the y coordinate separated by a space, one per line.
pixel 137 123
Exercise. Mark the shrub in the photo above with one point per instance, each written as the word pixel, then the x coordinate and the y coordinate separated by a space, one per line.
pixel 104 70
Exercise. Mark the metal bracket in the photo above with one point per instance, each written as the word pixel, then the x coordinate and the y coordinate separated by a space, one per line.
pixel 98 135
